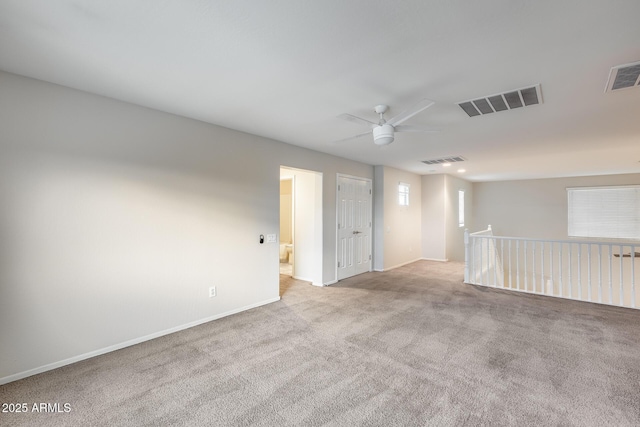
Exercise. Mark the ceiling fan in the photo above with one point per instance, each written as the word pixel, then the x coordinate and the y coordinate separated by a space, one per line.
pixel 384 130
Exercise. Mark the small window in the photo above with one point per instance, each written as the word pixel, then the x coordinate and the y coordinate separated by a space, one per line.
pixel 608 212
pixel 460 208
pixel 403 194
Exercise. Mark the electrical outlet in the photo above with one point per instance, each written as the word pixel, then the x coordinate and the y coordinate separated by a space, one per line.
pixel 212 292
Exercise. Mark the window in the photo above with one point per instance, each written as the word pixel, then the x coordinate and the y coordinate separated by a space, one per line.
pixel 460 208
pixel 403 194
pixel 609 212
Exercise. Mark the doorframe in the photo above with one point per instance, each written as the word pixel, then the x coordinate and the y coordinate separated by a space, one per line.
pixel 370 181
pixel 291 178
pixel 315 267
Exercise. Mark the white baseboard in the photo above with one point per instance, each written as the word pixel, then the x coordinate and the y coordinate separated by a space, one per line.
pixel 332 282
pixel 400 265
pixel 55 365
pixel 435 259
pixel 304 279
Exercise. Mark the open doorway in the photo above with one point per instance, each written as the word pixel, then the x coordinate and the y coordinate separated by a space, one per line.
pixel 301 225
pixel 286 226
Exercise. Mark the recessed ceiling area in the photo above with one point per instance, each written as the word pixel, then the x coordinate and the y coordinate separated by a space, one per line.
pixel 286 70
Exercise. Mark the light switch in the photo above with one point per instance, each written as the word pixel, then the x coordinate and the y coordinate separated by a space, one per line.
pixel 271 238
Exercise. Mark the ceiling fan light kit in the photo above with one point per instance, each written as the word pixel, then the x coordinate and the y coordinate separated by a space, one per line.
pixel 383 134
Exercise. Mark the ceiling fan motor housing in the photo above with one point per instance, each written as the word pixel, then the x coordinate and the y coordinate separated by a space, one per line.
pixel 383 134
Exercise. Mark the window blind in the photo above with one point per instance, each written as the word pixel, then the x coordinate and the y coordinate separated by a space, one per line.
pixel 609 212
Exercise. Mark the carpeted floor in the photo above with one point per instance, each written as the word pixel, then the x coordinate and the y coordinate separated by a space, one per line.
pixel 413 346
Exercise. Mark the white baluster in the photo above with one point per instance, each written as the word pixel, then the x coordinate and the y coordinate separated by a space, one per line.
pixel 570 282
pixel 542 286
pixel 580 271
pixel 633 277
pixel 589 270
pixel 560 284
pixel 518 264
pixel 509 264
pixel 621 283
pixel 533 265
pixel 610 274
pixel 600 274
pixel 526 282
pixel 551 265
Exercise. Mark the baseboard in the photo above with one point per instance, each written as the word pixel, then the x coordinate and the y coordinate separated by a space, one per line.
pixel 304 279
pixel 435 259
pixel 129 343
pixel 333 282
pixel 400 265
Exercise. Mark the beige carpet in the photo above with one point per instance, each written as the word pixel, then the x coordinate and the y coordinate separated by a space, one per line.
pixel 413 346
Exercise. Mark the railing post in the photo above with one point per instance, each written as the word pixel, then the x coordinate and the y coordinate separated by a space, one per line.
pixel 467 255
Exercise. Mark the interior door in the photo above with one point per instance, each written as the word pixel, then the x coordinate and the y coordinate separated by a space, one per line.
pixel 354 226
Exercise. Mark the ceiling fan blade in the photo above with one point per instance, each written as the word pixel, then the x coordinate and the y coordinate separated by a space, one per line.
pixel 358 120
pixel 408 128
pixel 407 114
pixel 351 137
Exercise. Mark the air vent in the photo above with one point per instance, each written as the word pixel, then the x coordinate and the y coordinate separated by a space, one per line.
pixel 624 77
pixel 450 159
pixel 503 101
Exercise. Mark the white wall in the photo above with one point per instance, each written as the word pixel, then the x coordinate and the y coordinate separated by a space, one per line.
pixel 400 226
pixel 378 218
pixel 442 237
pixel 286 210
pixel 534 208
pixel 115 220
pixel 434 218
pixel 455 233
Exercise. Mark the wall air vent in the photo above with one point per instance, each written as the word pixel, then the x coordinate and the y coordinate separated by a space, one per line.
pixel 623 77
pixel 503 101
pixel 450 159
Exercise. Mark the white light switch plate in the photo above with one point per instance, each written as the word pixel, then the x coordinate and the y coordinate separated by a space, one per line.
pixel 271 238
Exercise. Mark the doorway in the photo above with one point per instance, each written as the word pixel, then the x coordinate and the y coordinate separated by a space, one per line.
pixel 354 226
pixel 301 236
pixel 286 226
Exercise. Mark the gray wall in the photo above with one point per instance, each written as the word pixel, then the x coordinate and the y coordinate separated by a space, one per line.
pixel 455 233
pixel 378 218
pixel 115 220
pixel 442 237
pixel 397 229
pixel 433 218
pixel 532 208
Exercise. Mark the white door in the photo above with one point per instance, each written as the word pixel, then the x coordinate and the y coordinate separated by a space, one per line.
pixel 354 226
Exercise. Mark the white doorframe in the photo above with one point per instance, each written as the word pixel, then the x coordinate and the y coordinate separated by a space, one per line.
pixel 307 220
pixel 370 215
pixel 291 178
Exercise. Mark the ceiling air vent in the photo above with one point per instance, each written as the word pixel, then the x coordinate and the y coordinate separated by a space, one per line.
pixel 503 101
pixel 450 159
pixel 624 77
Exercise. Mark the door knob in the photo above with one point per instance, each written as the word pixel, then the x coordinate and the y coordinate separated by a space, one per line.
pixel 357 232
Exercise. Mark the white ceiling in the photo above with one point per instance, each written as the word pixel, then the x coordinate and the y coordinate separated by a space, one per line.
pixel 284 69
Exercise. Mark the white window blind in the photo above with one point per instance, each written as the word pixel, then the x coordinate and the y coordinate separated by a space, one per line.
pixel 609 212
